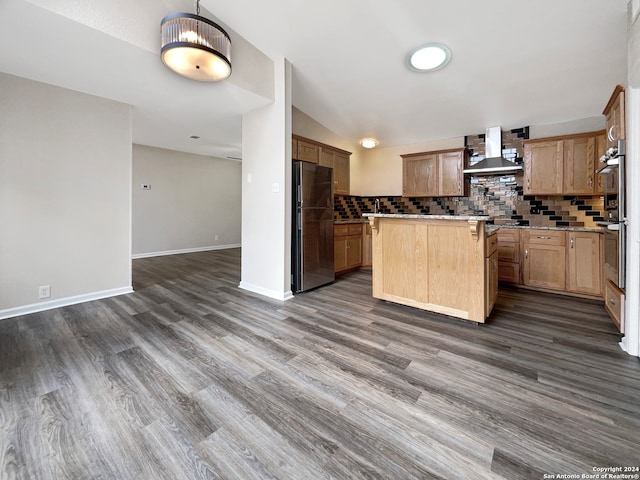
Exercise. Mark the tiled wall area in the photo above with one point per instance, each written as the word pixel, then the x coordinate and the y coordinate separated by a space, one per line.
pixel 499 197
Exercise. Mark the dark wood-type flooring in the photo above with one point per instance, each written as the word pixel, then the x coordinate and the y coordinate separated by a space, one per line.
pixel 192 378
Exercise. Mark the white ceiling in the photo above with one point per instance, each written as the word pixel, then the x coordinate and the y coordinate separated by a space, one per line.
pixel 514 63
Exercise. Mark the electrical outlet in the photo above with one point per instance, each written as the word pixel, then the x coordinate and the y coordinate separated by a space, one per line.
pixel 44 291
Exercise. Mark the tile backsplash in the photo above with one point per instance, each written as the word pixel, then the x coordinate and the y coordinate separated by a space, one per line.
pixel 501 198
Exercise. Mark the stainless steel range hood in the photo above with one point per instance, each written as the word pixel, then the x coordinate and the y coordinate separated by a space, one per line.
pixel 494 163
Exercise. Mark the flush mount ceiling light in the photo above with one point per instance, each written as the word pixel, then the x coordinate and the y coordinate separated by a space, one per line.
pixel 429 57
pixel 195 47
pixel 369 142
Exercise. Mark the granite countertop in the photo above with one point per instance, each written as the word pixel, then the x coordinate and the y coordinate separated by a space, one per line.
pixel 534 227
pixel 344 222
pixel 480 218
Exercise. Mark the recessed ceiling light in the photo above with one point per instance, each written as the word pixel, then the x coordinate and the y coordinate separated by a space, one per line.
pixel 429 57
pixel 369 142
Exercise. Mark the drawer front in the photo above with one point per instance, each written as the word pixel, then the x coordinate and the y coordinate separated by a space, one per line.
pixel 545 237
pixel 506 235
pixel 509 252
pixel 614 302
pixel 340 230
pixel 491 245
pixel 355 229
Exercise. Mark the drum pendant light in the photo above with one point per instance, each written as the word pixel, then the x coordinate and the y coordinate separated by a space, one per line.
pixel 195 47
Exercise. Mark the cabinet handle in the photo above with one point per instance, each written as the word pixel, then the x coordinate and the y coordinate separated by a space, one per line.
pixel 610 134
pixel 612 301
pixel 526 253
pixel 543 237
pixel 572 243
pixel 590 182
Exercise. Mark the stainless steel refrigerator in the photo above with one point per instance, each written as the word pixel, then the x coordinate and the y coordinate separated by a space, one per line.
pixel 312 229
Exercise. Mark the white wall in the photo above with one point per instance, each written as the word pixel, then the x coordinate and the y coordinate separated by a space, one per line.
pixel 192 200
pixel 65 196
pixel 266 193
pixel 581 125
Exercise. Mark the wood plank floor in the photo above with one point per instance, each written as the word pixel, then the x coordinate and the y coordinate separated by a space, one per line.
pixel 191 378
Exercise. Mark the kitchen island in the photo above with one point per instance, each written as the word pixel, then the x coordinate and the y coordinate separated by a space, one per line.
pixel 440 263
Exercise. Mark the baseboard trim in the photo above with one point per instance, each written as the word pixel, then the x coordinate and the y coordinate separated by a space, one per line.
pixel 62 302
pixel 184 250
pixel 284 296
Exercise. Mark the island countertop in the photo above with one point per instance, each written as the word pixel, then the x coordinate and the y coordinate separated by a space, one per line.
pixel 475 218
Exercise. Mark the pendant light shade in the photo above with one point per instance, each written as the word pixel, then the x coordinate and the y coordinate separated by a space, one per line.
pixel 195 47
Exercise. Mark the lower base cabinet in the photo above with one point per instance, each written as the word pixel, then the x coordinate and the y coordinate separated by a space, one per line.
pixel 544 259
pixel 614 304
pixel 347 247
pixel 565 261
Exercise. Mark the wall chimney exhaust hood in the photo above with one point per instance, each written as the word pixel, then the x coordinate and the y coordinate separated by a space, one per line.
pixel 494 163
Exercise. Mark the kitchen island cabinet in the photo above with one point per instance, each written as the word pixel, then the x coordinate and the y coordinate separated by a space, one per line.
pixel 438 263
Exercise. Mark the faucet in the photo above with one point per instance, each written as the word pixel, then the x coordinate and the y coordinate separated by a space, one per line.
pixel 376 207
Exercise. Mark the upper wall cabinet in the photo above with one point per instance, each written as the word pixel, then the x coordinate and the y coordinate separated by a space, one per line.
pixel 434 174
pixel 564 165
pixel 614 113
pixel 327 156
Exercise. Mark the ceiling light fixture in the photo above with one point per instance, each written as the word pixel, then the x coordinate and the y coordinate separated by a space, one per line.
pixel 195 47
pixel 429 57
pixel 369 142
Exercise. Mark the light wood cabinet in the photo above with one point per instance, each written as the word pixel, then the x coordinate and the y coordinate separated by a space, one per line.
pixel 419 176
pixel 544 259
pixel 450 176
pixel 347 247
pixel 366 246
pixel 341 174
pixel 434 174
pixel 601 147
pixel 614 299
pixel 543 167
pixel 615 117
pixel 584 272
pixel 563 165
pixel 509 255
pixel 327 156
pixel 308 152
pixel 579 165
pixel 433 264
pixel 491 272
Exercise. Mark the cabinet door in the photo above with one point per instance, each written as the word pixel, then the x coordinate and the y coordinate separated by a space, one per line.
pixel 579 165
pixel 601 146
pixel 491 281
pixel 544 266
pixel 326 158
pixel 450 176
pixel 543 165
pixel 615 119
pixel 308 152
pixel 366 246
pixel 509 272
pixel 340 253
pixel 420 176
pixel 341 173
pixel 583 257
pixel 354 251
